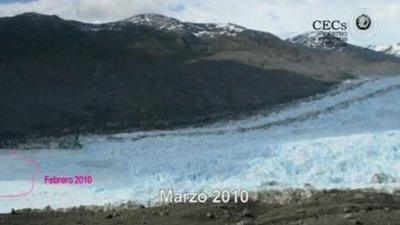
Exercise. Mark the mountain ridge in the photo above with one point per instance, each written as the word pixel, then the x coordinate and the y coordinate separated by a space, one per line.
pixel 393 49
pixel 62 77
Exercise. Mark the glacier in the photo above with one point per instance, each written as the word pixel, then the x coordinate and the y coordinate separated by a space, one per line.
pixel 340 139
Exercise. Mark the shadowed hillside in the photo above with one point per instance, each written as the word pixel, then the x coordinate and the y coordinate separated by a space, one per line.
pixel 62 77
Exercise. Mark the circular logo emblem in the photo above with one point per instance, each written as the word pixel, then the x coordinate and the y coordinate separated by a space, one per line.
pixel 363 22
pixel 363 25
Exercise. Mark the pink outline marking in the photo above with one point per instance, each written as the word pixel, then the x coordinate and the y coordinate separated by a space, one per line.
pixel 37 169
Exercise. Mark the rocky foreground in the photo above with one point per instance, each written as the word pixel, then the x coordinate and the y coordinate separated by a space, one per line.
pixel 295 207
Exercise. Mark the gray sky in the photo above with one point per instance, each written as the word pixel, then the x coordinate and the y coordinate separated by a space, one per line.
pixel 281 17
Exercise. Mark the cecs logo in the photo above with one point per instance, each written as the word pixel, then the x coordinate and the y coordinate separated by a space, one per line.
pixel 363 22
pixel 326 25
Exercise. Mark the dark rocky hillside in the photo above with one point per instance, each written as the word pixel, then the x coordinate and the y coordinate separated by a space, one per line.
pixel 62 77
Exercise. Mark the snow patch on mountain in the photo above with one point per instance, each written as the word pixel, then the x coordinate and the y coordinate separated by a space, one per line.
pixel 161 22
pixel 157 21
pixel 318 39
pixel 307 39
pixel 387 49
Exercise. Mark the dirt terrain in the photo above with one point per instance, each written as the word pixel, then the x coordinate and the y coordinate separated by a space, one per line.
pixel 324 207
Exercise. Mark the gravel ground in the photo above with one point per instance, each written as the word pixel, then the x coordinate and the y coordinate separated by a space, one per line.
pixel 321 207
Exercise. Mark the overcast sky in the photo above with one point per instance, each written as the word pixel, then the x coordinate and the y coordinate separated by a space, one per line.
pixel 281 17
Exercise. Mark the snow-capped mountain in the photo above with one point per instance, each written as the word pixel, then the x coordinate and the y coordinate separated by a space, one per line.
pixel 161 22
pixel 156 21
pixel 306 39
pixel 137 73
pixel 318 39
pixel 387 49
pixel 326 40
